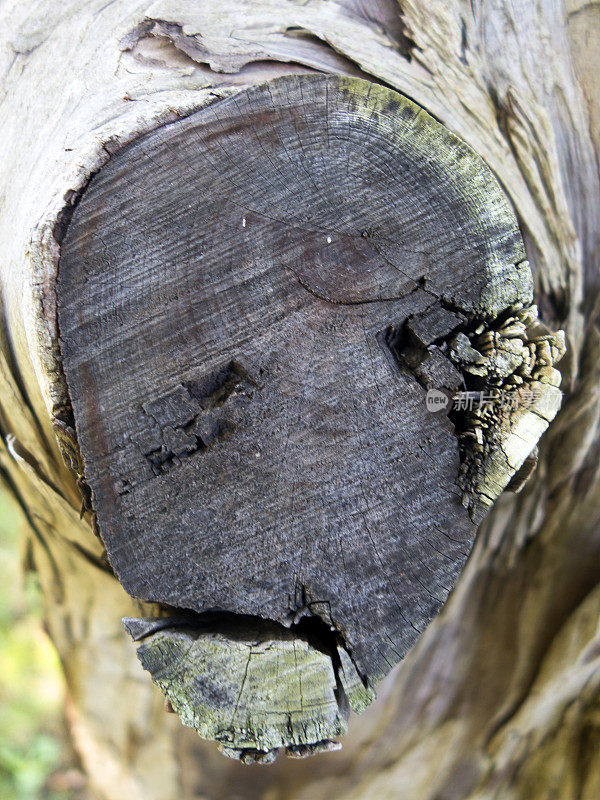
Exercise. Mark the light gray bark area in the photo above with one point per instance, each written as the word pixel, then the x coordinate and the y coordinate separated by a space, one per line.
pixel 500 697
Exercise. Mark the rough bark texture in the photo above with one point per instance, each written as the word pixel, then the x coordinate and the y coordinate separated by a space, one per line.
pixel 500 696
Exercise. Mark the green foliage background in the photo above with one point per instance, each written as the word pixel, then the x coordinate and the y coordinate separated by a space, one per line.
pixel 35 759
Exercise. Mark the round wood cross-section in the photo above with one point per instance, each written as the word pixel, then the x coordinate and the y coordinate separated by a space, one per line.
pixel 233 288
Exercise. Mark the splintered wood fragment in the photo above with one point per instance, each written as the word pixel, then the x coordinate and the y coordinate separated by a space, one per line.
pixel 253 302
pixel 260 687
pixel 511 362
pixel 358 695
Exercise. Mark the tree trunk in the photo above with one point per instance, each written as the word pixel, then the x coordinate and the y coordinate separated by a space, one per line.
pixel 115 119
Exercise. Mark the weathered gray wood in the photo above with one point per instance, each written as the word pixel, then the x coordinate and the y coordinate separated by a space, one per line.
pixel 233 294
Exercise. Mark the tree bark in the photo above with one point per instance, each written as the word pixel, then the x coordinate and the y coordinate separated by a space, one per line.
pixel 499 698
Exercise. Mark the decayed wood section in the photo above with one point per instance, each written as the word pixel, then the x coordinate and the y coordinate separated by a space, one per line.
pixel 499 698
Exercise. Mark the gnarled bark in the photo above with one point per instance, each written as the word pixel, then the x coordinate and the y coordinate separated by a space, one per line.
pixel 505 679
